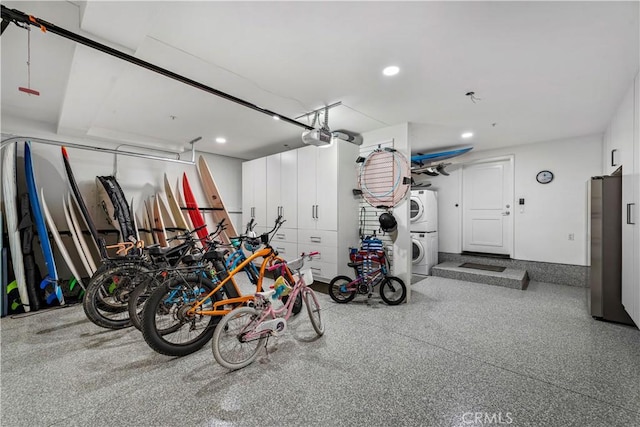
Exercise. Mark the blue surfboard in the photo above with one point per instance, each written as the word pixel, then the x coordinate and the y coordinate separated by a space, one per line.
pixel 438 156
pixel 43 235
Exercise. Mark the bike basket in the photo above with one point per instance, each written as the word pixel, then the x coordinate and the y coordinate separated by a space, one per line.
pixel 308 276
pixel 296 264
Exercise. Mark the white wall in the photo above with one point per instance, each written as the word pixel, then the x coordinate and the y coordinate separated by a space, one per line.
pixel 402 240
pixel 551 212
pixel 139 178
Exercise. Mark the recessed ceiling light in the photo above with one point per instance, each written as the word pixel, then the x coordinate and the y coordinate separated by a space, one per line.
pixel 220 140
pixel 467 135
pixel 391 70
pixel 276 117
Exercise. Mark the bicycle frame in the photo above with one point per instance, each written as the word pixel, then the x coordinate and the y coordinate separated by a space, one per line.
pixel 268 312
pixel 269 255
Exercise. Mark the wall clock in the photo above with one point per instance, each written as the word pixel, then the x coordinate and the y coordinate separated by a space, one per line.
pixel 544 177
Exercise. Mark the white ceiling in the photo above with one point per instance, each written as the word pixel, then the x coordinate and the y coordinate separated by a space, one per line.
pixel 542 70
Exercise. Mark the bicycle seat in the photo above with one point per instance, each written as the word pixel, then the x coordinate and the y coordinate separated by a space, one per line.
pixel 159 250
pixel 266 294
pixel 217 254
pixel 192 259
pixel 354 264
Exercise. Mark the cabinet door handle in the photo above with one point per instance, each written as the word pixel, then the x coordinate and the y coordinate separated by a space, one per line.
pixel 317 212
pixel 282 211
pixel 613 163
pixel 315 239
pixel 313 211
pixel 629 213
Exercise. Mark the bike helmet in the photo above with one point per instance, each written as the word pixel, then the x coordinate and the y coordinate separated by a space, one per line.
pixel 388 223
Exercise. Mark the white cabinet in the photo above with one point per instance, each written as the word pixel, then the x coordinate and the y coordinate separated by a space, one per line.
pixel 318 187
pixel 618 138
pixel 631 202
pixel 312 188
pixel 254 193
pixel 282 187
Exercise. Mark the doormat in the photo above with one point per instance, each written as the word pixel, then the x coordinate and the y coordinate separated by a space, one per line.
pixel 483 267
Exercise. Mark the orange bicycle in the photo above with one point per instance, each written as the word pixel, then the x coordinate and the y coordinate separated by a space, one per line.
pixel 180 316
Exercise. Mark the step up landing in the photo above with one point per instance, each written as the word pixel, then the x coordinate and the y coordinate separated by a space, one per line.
pixel 479 273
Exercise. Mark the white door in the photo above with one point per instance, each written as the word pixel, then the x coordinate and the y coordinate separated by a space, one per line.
pixel 273 187
pixel 487 224
pixel 254 197
pixel 289 188
pixel 307 187
pixel 326 191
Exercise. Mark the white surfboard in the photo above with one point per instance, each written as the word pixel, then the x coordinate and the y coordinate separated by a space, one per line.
pixel 167 221
pixel 9 188
pixel 135 221
pixel 182 204
pixel 74 237
pixel 176 212
pixel 56 236
pixel 149 215
pixel 81 239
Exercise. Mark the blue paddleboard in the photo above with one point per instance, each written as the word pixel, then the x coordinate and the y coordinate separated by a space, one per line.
pixel 43 235
pixel 440 155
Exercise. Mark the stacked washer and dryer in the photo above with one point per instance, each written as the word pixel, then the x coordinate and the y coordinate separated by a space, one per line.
pixel 424 231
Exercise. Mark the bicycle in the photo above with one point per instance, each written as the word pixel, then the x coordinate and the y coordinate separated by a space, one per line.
pixel 240 334
pixel 180 316
pixel 192 262
pixel 371 269
pixel 109 292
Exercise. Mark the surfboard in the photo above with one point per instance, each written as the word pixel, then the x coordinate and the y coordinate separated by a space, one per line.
pixel 168 222
pixel 182 205
pixel 74 237
pixel 148 211
pixel 58 239
pixel 176 212
pixel 9 188
pixel 215 200
pixel 31 269
pixel 158 223
pixel 43 236
pixel 145 232
pixel 83 242
pixel 80 201
pixel 194 212
pixel 115 206
pixel 438 156
pixel 135 222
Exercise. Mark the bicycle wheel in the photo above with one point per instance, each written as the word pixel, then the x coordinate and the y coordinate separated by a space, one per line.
pixel 167 327
pixel 138 298
pixel 313 308
pixel 392 290
pixel 339 291
pixel 229 348
pixel 107 295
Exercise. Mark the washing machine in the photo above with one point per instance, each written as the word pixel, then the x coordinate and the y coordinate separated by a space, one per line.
pixel 424 250
pixel 423 210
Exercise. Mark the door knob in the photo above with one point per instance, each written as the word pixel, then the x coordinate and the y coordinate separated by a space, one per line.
pixel 506 213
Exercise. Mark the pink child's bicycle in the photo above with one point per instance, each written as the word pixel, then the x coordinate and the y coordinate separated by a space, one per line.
pixel 242 332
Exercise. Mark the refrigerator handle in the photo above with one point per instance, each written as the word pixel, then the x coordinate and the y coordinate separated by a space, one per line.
pixel 629 213
pixel 613 163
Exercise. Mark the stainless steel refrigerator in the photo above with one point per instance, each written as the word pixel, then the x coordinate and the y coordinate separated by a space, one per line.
pixel 605 276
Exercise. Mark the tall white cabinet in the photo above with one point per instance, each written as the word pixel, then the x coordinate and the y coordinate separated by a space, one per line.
pixel 622 148
pixel 312 188
pixel 254 193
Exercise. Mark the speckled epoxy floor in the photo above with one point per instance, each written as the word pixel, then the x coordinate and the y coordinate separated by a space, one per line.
pixel 460 354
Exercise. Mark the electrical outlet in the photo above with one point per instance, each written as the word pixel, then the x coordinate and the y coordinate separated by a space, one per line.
pixel 571 236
